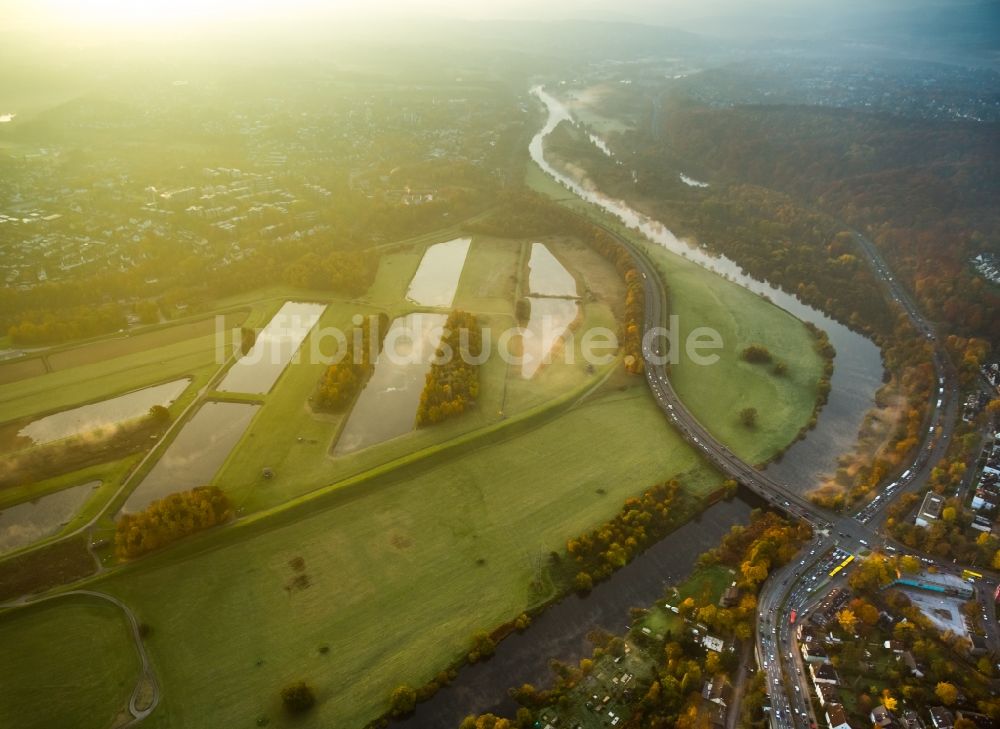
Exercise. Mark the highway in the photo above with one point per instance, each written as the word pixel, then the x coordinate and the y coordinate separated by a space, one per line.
pixel 805 582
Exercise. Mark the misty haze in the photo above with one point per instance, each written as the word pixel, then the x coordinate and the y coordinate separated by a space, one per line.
pixel 500 365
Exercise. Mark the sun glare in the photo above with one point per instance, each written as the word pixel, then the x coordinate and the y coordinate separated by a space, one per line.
pixel 152 14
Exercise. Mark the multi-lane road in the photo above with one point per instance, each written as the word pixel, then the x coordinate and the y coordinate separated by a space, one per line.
pixel 803 583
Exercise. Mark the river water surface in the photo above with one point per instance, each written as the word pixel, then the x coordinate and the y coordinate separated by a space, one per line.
pixel 561 631
pixel 857 370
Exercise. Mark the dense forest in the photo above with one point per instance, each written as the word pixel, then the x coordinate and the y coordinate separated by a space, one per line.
pixel 773 238
pixel 63 311
pixel 924 191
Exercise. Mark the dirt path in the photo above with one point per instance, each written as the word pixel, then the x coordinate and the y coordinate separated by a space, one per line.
pixel 146 694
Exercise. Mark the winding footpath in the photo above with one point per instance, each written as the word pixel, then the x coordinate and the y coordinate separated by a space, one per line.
pixel 146 694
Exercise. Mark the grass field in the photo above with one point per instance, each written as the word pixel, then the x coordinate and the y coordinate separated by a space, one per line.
pixel 87 383
pixel 783 403
pixel 113 347
pixel 405 565
pixel 490 276
pixel 68 663
pixel 396 590
pixel 21 369
pixel 394 273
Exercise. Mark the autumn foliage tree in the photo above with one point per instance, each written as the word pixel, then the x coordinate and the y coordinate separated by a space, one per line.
pixel 343 379
pixel 640 521
pixel 452 383
pixel 47 327
pixel 169 519
pixel 756 354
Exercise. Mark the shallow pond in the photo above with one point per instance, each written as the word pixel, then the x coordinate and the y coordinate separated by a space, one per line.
pixel 547 276
pixel 387 407
pixel 195 455
pixel 32 521
pixel 436 279
pixel 100 415
pixel 258 370
pixel 549 320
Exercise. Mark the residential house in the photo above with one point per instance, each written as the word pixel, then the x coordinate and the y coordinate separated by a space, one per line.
pixel 836 718
pixel 824 673
pixel 941 718
pixel 882 717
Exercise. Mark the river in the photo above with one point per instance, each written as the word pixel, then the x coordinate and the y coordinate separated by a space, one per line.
pixel 561 631
pixel 857 370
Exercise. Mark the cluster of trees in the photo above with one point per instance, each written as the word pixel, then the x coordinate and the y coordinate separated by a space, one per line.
pixel 951 536
pixel 767 542
pixel 100 445
pixel 347 272
pixel 147 310
pixel 404 698
pixel 66 310
pixel 764 230
pixel 522 311
pixel 169 519
pixel 452 384
pixel 756 354
pixel 344 379
pixel 641 521
pixel 248 337
pixel 630 338
pixel 44 326
pixel 968 354
pixel 826 350
pixel 748 417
